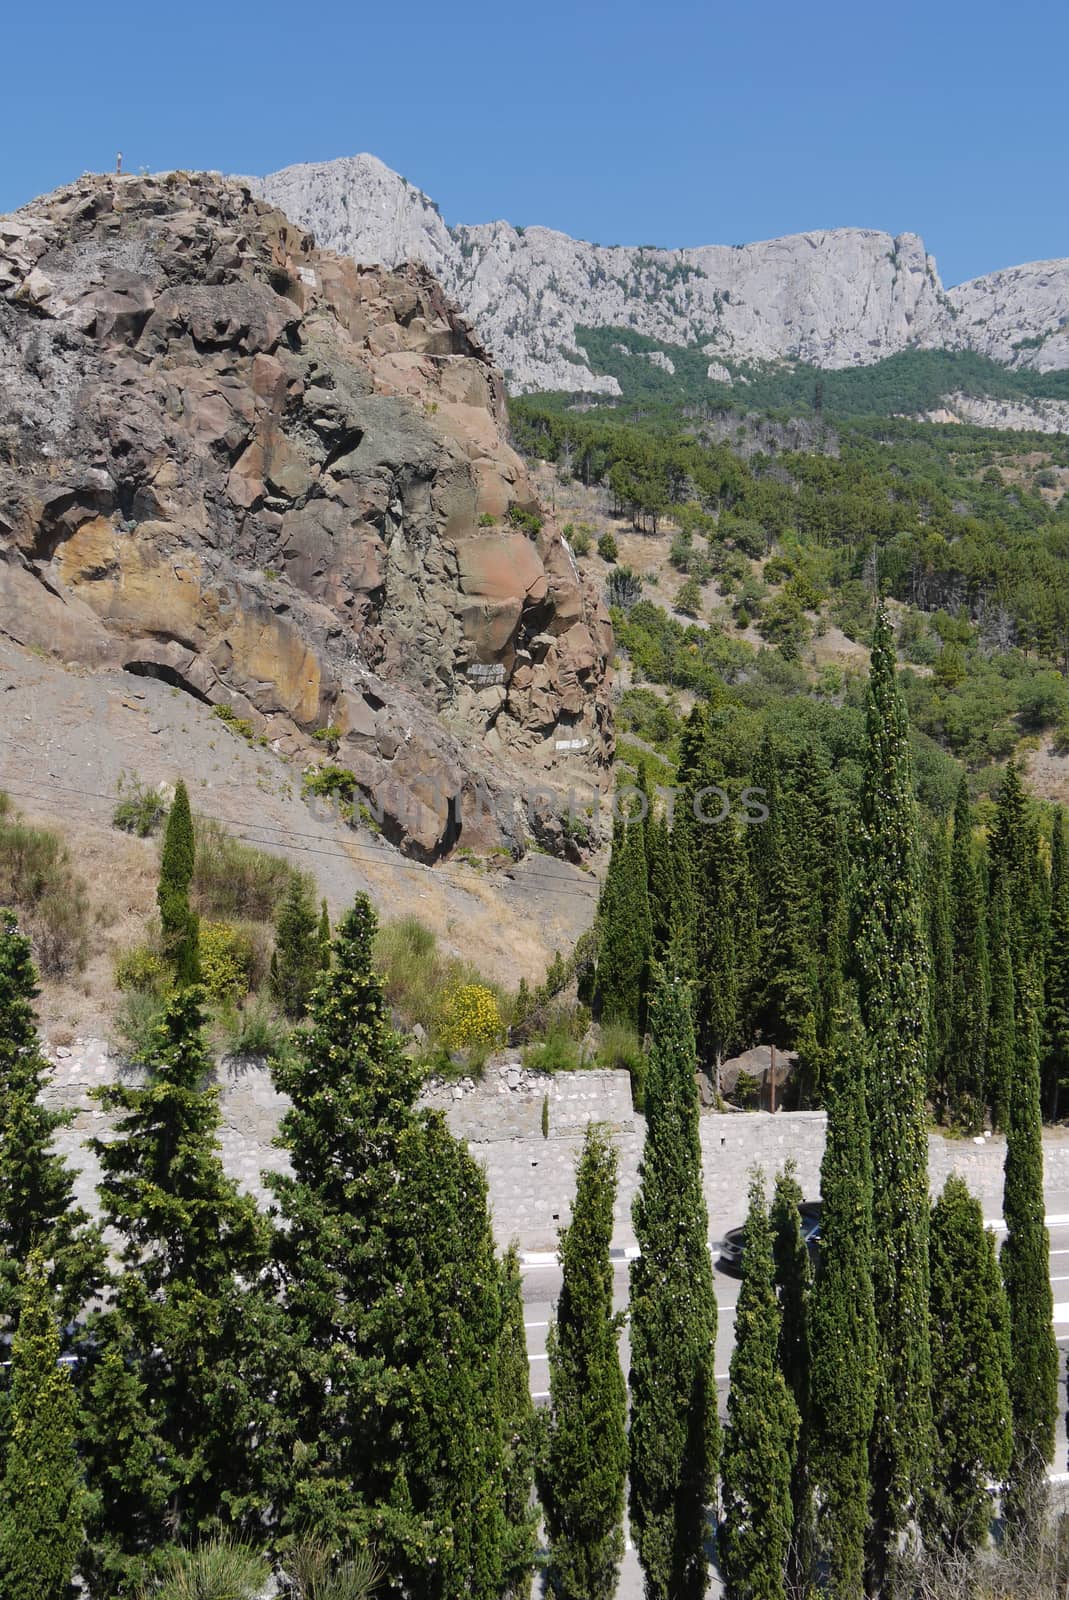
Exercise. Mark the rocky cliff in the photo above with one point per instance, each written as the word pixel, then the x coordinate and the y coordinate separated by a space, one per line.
pixel 837 298
pixel 281 482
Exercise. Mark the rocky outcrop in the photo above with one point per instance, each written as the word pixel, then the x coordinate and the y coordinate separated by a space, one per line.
pixel 281 482
pixel 837 298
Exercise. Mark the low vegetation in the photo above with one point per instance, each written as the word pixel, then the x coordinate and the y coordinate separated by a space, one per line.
pixel 38 881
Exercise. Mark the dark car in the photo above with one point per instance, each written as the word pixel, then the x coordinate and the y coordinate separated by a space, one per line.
pixel 730 1258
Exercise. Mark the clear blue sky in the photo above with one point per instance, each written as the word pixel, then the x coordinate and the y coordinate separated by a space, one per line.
pixel 687 123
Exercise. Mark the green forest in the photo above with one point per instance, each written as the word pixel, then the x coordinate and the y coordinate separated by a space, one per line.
pixel 911 381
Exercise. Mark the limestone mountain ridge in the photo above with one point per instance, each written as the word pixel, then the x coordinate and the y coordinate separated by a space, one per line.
pixel 838 297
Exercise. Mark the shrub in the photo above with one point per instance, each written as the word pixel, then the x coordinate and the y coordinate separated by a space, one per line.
pixel 525 520
pixel 558 1051
pixel 607 548
pixel 314 1572
pixel 142 968
pixel 140 810
pixel 235 881
pixel 227 960
pixel 471 1018
pixel 486 520
pixel 332 782
pixel 621 1050
pixel 219 1570
pixel 257 1030
pixel 39 883
pixel 136 1022
pixel 689 599
pixel 580 540
pixel 623 588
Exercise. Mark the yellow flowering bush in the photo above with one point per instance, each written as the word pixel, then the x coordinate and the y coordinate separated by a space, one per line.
pixel 470 1018
pixel 226 958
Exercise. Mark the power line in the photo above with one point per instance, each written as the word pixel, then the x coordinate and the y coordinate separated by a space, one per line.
pixel 362 853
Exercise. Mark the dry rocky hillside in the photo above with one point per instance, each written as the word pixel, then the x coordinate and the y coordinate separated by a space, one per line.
pixel 280 483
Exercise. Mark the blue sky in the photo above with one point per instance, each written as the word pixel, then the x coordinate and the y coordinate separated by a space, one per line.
pixel 682 124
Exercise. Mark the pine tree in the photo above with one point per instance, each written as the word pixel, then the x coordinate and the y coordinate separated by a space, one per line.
pixel 583 1464
pixel 970 1361
pixel 178 920
pixel 1025 1262
pixel 191 1249
pixel 352 1094
pixel 674 1436
pixel 297 960
pixel 842 1324
pixel 37 1206
pixel 41 1495
pixel 890 950
pixel 518 1426
pixel 793 1287
pixel 625 931
pixel 388 1425
pixel 1056 1014
pixel 762 1430
pixel 970 996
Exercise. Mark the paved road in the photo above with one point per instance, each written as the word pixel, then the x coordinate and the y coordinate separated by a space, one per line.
pixel 541 1286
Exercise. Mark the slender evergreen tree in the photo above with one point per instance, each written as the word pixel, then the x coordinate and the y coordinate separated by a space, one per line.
pixel 37 1208
pixel 940 967
pixel 842 1324
pixel 324 937
pixel 1056 1015
pixel 298 950
pixel 178 920
pixel 762 1430
pixel 583 1463
pixel 41 1492
pixel 970 986
pixel 891 956
pixel 674 1435
pixel 793 1287
pixel 625 930
pixel 1001 1043
pixel 1026 1270
pixel 191 1248
pixel 970 1362
pixel 518 1427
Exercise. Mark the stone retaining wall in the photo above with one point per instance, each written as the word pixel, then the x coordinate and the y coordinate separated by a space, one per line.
pixel 532 1177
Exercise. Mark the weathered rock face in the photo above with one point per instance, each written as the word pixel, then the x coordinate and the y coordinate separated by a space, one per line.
pixel 838 297
pixel 281 481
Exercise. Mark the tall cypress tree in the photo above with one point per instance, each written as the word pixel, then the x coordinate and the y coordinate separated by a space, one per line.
pixel 324 937
pixel 970 996
pixel 41 1492
pixel 891 957
pixel 583 1463
pixel 1026 1270
pixel 793 1287
pixel 441 1530
pixel 1056 1011
pixel 37 1206
pixel 940 966
pixel 191 1249
pixel 970 1361
pixel 178 920
pixel 625 930
pixel 842 1324
pixel 518 1427
pixel 674 1436
pixel 762 1430
pixel 1001 1042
